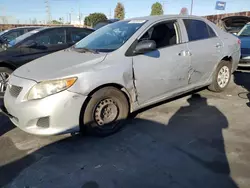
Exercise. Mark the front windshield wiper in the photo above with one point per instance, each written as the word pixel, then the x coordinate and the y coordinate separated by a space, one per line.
pixel 84 50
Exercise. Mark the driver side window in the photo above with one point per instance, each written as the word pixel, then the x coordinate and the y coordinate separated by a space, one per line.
pixel 51 37
pixel 164 34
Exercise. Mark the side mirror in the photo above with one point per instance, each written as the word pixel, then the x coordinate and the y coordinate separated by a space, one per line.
pixel 145 46
pixel 30 44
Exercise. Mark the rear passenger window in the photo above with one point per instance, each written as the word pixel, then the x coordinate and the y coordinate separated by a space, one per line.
pixel 78 34
pixel 198 30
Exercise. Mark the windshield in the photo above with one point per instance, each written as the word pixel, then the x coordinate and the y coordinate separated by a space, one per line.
pixel 2 32
pixel 245 31
pixel 111 36
pixel 24 36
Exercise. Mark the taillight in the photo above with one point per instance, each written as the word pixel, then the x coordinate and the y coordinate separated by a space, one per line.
pixel 239 41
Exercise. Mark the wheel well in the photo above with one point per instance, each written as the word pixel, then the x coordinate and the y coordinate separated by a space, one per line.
pixel 228 58
pixel 117 86
pixel 7 65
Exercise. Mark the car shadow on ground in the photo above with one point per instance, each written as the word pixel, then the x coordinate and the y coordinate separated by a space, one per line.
pixel 243 79
pixel 5 125
pixel 188 151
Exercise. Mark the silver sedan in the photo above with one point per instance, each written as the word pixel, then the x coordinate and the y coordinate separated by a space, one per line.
pixel 118 69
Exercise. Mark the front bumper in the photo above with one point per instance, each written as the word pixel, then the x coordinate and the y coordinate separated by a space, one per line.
pixel 55 114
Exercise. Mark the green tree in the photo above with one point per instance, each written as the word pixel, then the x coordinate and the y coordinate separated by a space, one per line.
pixel 94 18
pixel 119 11
pixel 184 11
pixel 55 22
pixel 156 9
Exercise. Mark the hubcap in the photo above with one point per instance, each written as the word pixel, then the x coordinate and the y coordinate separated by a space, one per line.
pixel 4 78
pixel 106 112
pixel 223 76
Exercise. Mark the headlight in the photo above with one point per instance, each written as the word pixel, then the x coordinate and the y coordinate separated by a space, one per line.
pixel 46 88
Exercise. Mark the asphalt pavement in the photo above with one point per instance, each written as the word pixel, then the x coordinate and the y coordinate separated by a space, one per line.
pixel 199 140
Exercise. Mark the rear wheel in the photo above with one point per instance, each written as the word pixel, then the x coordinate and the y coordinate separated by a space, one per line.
pixel 105 112
pixel 221 77
pixel 4 78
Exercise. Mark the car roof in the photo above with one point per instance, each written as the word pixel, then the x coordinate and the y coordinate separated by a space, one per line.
pixel 54 27
pixel 26 27
pixel 156 18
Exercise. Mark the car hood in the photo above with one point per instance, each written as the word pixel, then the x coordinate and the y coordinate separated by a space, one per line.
pixel 57 65
pixel 245 42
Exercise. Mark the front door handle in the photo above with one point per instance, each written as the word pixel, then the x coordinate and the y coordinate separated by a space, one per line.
pixel 218 45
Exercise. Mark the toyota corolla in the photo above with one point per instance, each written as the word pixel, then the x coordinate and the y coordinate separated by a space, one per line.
pixel 119 69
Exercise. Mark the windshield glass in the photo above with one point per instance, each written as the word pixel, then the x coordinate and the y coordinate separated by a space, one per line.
pixel 24 36
pixel 245 31
pixel 111 36
pixel 2 32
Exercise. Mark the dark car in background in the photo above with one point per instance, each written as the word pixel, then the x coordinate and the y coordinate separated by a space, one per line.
pixel 35 44
pixel 103 23
pixel 244 36
pixel 11 34
pixel 233 24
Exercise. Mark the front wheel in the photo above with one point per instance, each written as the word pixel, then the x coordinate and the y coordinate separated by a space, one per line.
pixel 221 77
pixel 4 78
pixel 105 112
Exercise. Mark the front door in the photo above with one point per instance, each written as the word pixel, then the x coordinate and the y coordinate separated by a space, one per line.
pixel 164 70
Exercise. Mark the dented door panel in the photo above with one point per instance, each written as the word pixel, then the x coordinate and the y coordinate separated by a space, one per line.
pixel 161 71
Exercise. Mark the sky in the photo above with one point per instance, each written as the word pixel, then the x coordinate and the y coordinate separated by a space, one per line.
pixel 23 11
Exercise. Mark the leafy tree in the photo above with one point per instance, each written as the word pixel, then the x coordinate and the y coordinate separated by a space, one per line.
pixel 156 9
pixel 119 11
pixel 184 11
pixel 94 18
pixel 55 22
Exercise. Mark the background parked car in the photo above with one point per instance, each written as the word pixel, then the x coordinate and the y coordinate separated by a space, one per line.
pixel 244 36
pixel 9 35
pixel 35 44
pixel 125 66
pixel 233 24
pixel 101 24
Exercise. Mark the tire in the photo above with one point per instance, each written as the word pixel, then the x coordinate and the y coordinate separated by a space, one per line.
pixel 218 85
pixel 105 112
pixel 4 74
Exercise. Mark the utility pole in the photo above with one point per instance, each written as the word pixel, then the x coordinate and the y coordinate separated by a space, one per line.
pixel 191 10
pixel 163 6
pixel 110 14
pixel 70 18
pixel 48 10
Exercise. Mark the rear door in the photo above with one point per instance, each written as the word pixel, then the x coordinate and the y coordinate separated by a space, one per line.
pixel 48 41
pixel 205 48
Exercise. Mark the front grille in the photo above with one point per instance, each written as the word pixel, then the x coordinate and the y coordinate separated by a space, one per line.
pixel 43 122
pixel 245 50
pixel 15 90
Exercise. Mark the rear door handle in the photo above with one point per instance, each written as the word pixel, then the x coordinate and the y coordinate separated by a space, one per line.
pixel 185 53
